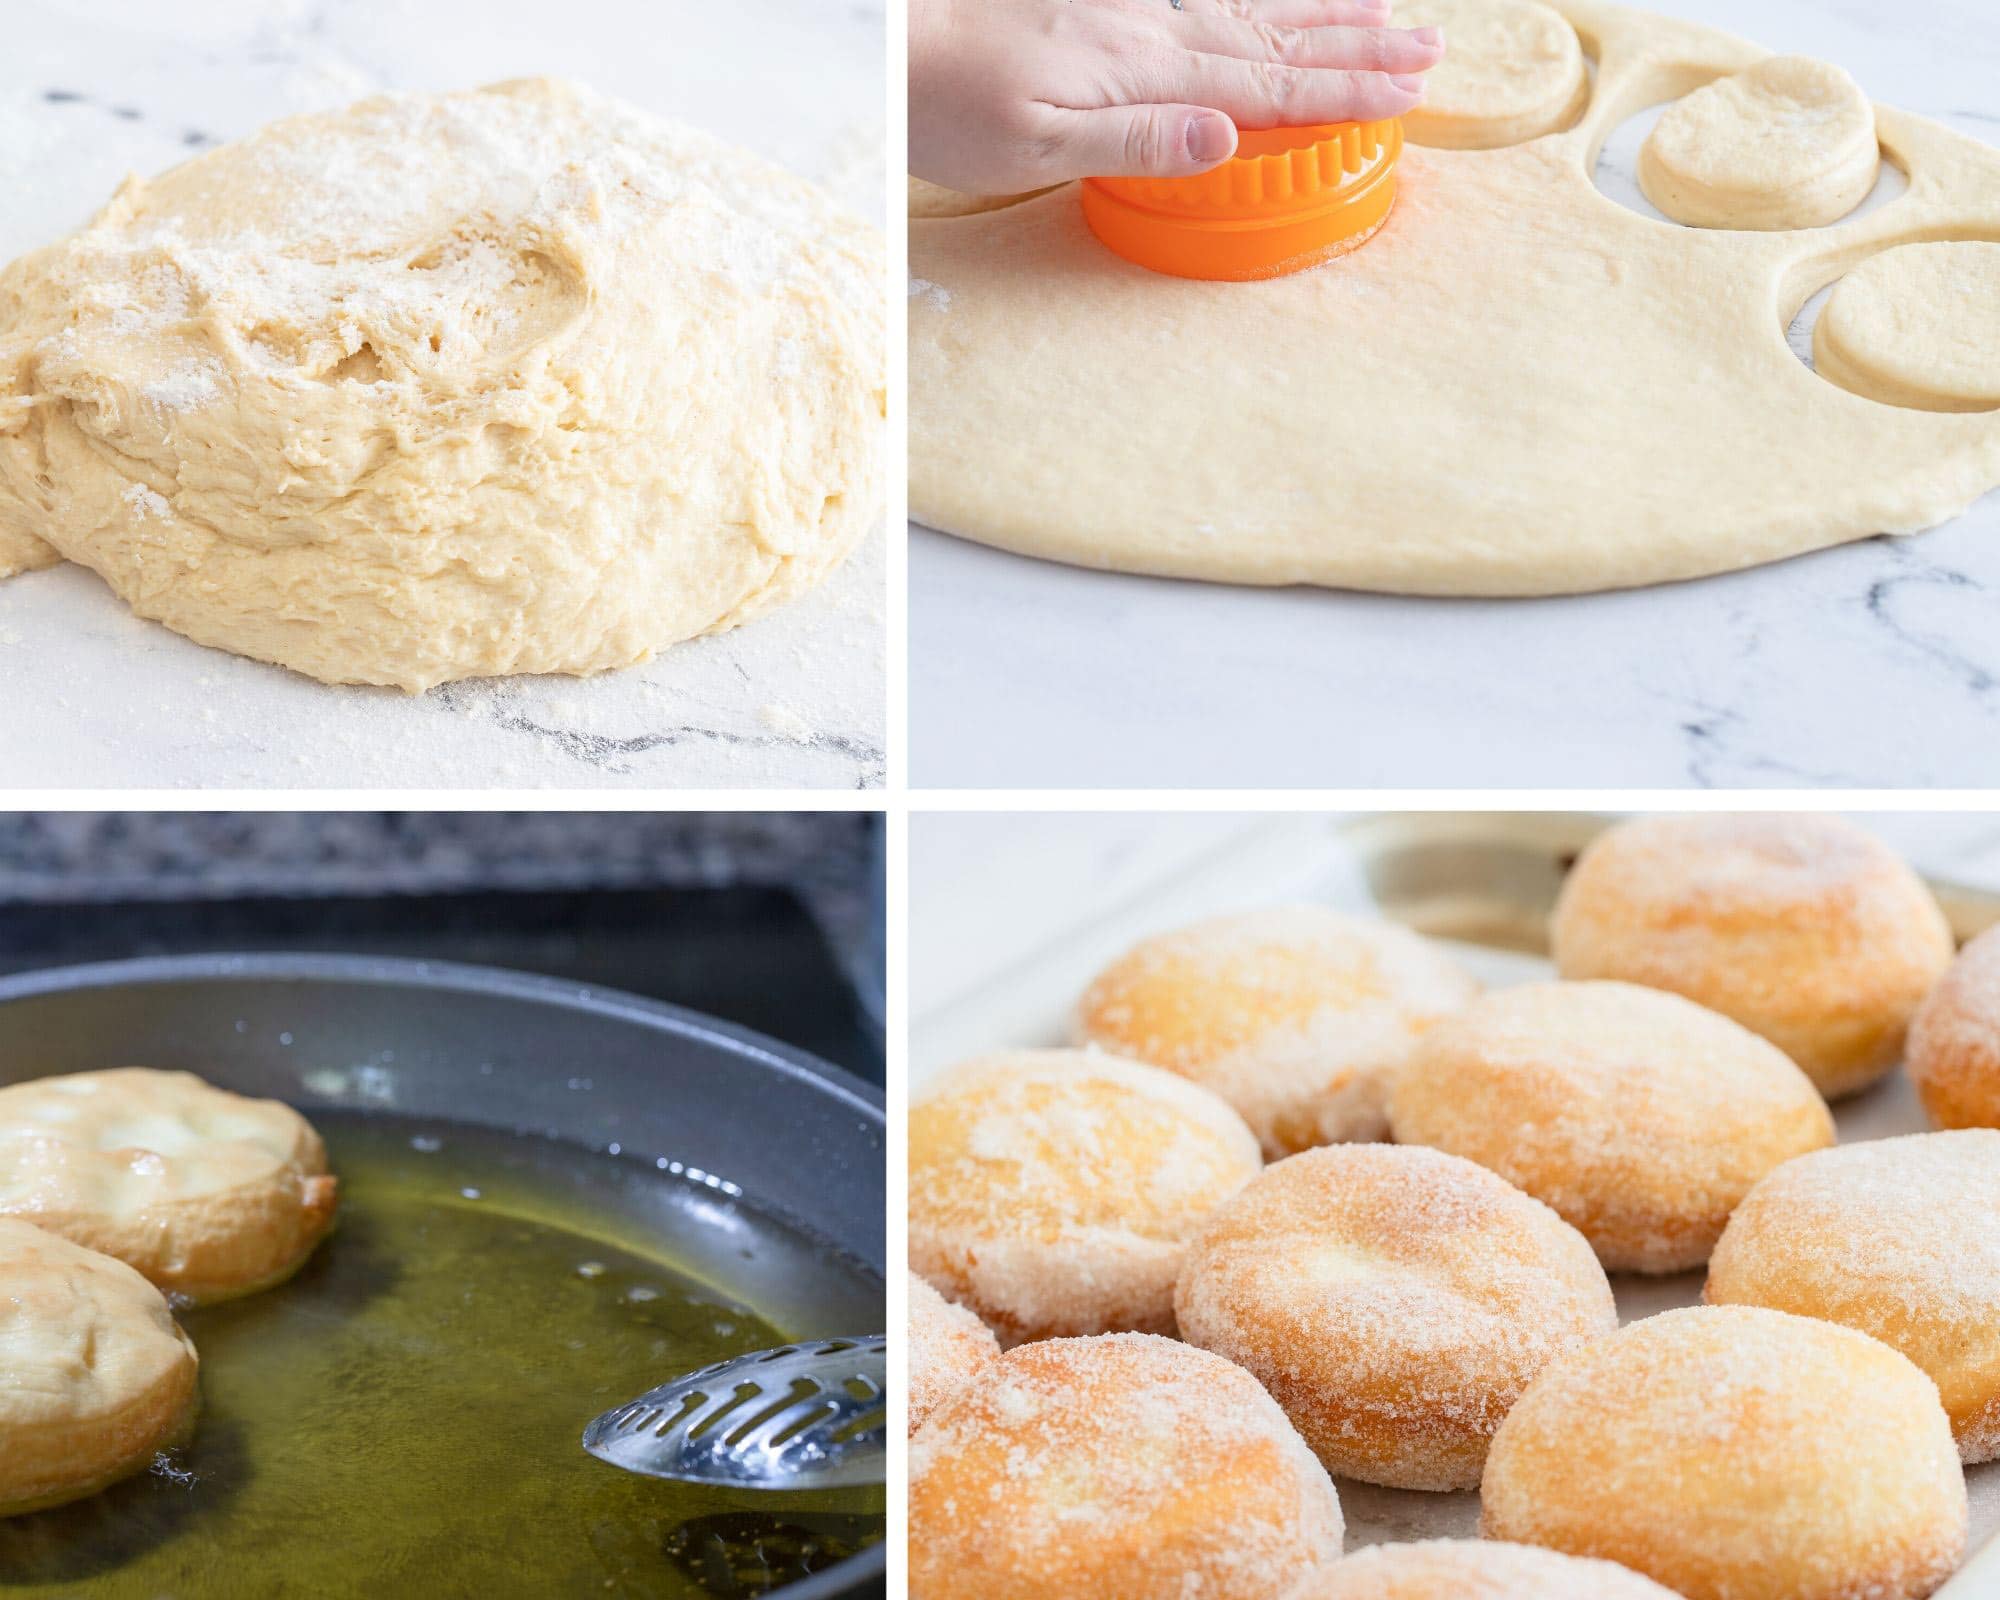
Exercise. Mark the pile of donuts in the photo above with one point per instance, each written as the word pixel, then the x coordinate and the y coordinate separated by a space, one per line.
pixel 1304 1204
pixel 125 1195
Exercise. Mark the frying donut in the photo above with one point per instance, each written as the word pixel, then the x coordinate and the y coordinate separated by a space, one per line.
pixel 1395 1302
pixel 1053 1191
pixel 208 1194
pixel 1899 1238
pixel 949 1347
pixel 95 1375
pixel 1805 929
pixel 1640 1117
pixel 1954 1053
pixel 1295 1016
pixel 1473 1569
pixel 1734 1453
pixel 1124 1467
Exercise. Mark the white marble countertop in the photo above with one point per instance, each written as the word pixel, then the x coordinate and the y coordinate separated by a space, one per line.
pixel 1875 665
pixel 93 89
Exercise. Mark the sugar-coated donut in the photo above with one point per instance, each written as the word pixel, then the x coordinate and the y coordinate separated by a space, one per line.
pixel 1954 1052
pixel 1124 1467
pixel 210 1195
pixel 95 1375
pixel 1395 1301
pixel 1734 1453
pixel 1807 930
pixel 949 1347
pixel 1473 1569
pixel 1053 1191
pixel 1296 1016
pixel 1897 1237
pixel 1640 1117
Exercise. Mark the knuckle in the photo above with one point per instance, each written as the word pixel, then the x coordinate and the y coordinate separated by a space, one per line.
pixel 1146 144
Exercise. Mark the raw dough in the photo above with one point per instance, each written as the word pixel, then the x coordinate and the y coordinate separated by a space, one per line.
pixel 1513 70
pixel 1519 387
pixel 935 200
pixel 1917 326
pixel 1788 143
pixel 443 386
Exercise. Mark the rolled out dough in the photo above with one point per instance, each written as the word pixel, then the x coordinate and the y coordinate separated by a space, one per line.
pixel 1917 326
pixel 447 386
pixel 1519 387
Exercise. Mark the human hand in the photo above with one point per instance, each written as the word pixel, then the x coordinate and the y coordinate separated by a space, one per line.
pixel 1029 93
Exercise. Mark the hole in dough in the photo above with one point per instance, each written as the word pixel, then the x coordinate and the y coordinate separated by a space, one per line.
pixel 364 366
pixel 1787 143
pixel 1917 326
pixel 933 200
pixel 1513 70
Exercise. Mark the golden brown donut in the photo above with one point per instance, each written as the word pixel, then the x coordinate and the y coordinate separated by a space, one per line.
pixel 1125 1467
pixel 1394 1301
pixel 1735 1453
pixel 1899 1238
pixel 208 1194
pixel 1954 1053
pixel 1805 929
pixel 949 1347
pixel 1473 1569
pixel 1640 1117
pixel 95 1375
pixel 1296 1016
pixel 1053 1191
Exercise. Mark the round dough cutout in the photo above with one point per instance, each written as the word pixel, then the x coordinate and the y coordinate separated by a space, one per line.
pixel 1125 1465
pixel 1473 1569
pixel 1513 70
pixel 1788 143
pixel 949 1348
pixel 1917 326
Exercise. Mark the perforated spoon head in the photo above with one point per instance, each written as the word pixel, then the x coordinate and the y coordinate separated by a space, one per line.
pixel 803 1416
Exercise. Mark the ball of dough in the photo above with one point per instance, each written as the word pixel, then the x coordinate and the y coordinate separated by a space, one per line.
pixel 1053 1191
pixel 1638 1117
pixel 98 1376
pixel 1512 71
pixel 1899 1238
pixel 1806 929
pixel 1126 1466
pixel 949 1347
pixel 1954 1048
pixel 1394 1301
pixel 1734 1453
pixel 1297 1016
pixel 209 1195
pixel 1917 326
pixel 1473 1569
pixel 1788 143
pixel 444 386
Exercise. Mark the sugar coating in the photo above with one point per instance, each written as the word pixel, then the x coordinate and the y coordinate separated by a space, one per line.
pixel 1736 1453
pixel 1640 1117
pixel 1473 1569
pixel 1053 1191
pixel 949 1347
pixel 1125 1465
pixel 1296 1016
pixel 1899 1238
pixel 1805 929
pixel 1954 1048
pixel 1395 1301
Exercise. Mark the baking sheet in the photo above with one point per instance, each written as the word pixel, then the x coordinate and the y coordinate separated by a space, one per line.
pixel 1484 884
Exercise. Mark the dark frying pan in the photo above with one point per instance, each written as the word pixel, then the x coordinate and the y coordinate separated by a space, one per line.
pixel 802 1140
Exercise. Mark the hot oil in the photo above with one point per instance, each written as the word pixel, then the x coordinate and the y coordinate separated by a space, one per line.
pixel 403 1416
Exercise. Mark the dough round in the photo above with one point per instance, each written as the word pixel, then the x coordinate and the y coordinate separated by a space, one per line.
pixel 444 386
pixel 209 1195
pixel 1473 1569
pixel 1734 1453
pixel 1638 1117
pixel 1899 1238
pixel 1127 1466
pixel 1954 1049
pixel 99 1377
pixel 1297 1017
pixel 1394 1301
pixel 1917 326
pixel 1807 930
pixel 1054 1191
pixel 1788 143
pixel 949 1347
pixel 1513 71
